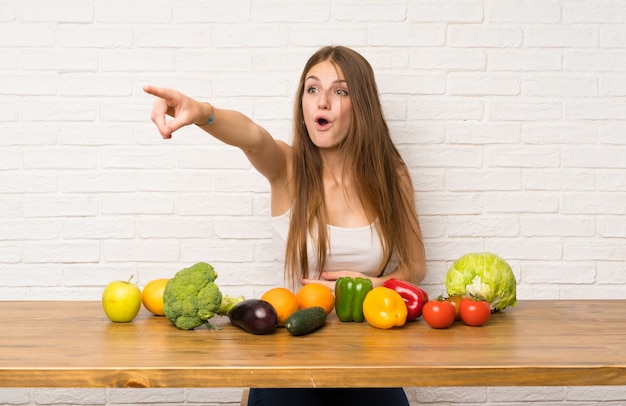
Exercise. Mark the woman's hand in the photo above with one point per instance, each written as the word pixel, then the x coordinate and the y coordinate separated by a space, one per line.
pixel 173 103
pixel 328 279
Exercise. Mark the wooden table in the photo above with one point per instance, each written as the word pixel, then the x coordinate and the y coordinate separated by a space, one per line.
pixel 537 343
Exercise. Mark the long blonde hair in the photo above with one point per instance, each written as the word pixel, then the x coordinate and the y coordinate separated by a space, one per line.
pixel 369 151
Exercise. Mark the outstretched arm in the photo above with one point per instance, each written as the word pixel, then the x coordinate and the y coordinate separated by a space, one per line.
pixel 231 127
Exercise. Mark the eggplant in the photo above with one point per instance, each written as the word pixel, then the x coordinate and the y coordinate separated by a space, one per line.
pixel 255 316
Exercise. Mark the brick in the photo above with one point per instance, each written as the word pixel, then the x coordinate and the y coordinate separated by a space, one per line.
pixel 269 35
pixel 94 36
pixel 217 251
pixel 59 158
pixel 61 252
pixel 590 11
pixel 525 249
pixel 558 179
pixel 457 59
pixel 72 11
pixel 41 275
pixel 276 11
pixel 41 84
pixel 11 253
pixel 611 180
pixel 483 226
pixel 450 204
pixel 60 59
pixel 450 108
pixel 525 60
pixel 560 86
pixel 153 250
pixel 9 159
pixel 211 158
pixel 407 35
pixel 560 36
pixel 65 205
pixel 516 202
pixel 611 226
pixel 559 133
pixel 213 204
pixel 141 11
pixel 31 229
pixel 593 157
pixel 143 396
pixel 175 181
pixel 531 111
pixel 69 396
pixel 612 36
pixel 520 157
pixel 594 249
pixel 175 227
pixel 523 11
pixel 463 11
pixel 351 11
pixel 481 133
pixel 612 85
pixel 458 156
pixel 480 84
pixel 600 203
pixel 557 226
pixel 94 85
pixel 481 36
pixel 97 228
pixel 133 203
pixel 595 60
pixel 483 180
pixel 134 158
pixel 60 110
pixel 28 35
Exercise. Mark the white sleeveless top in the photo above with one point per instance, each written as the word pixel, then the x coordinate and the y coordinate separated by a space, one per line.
pixel 354 249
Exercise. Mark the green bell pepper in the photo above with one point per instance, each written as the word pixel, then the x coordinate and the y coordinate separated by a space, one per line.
pixel 349 296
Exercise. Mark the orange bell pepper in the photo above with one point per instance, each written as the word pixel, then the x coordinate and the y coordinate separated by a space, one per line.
pixel 384 308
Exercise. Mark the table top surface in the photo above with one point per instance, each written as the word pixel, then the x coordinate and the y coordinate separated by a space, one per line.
pixel 536 343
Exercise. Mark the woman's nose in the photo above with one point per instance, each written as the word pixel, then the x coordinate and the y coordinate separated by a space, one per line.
pixel 323 101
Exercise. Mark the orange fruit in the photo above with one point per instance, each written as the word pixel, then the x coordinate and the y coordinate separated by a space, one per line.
pixel 314 294
pixel 152 296
pixel 283 301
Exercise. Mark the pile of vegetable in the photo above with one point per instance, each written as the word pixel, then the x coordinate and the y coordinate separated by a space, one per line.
pixel 477 285
pixel 387 306
pixel 192 297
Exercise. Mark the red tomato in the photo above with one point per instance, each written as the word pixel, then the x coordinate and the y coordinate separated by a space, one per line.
pixel 474 312
pixel 456 301
pixel 439 313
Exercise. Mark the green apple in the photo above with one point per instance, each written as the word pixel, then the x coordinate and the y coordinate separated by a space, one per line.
pixel 121 301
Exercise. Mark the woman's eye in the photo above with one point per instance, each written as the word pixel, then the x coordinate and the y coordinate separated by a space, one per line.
pixel 341 92
pixel 311 90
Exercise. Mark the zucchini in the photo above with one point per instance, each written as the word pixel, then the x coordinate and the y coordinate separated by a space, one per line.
pixel 305 321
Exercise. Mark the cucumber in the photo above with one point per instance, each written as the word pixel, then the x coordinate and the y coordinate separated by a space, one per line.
pixel 305 321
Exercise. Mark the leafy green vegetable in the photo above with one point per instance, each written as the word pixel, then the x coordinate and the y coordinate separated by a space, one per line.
pixel 483 275
pixel 191 297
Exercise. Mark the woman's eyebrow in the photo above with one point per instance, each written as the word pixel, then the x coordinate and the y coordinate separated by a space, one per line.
pixel 317 79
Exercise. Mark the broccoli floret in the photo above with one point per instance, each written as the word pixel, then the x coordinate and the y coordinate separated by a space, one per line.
pixel 191 297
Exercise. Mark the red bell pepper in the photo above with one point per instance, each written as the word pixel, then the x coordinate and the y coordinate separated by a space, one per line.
pixel 414 297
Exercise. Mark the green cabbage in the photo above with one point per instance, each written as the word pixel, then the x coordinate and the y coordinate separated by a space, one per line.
pixel 483 275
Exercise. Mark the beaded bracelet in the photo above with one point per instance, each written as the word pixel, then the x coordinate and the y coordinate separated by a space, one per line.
pixel 210 120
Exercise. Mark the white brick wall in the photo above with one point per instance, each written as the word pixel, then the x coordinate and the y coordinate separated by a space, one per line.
pixel 510 113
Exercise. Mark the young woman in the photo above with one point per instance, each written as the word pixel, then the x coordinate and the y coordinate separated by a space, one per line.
pixel 342 200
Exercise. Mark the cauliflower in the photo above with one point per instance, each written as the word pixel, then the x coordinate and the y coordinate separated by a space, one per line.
pixel 191 297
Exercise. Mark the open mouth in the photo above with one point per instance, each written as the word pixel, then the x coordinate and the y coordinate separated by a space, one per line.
pixel 322 123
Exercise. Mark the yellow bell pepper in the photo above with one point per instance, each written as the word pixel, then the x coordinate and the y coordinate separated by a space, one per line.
pixel 384 308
